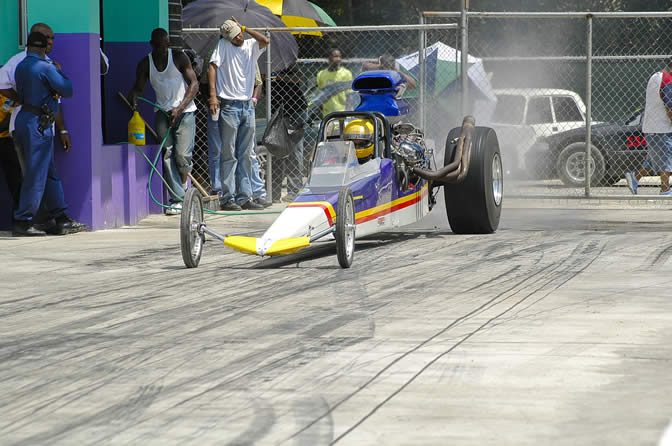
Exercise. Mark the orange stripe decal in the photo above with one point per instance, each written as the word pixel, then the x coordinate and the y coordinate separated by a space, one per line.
pixel 324 205
pixel 388 208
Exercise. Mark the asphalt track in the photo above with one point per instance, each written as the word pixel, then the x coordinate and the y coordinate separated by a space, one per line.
pixel 555 330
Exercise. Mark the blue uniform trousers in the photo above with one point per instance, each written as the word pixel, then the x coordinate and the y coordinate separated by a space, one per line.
pixel 40 179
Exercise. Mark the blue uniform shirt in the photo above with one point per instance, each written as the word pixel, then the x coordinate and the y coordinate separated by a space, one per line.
pixel 38 80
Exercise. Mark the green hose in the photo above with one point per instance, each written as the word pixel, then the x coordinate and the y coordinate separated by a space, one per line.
pixel 153 166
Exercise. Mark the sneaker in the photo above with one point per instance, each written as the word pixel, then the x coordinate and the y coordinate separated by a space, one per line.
pixel 262 201
pixel 667 193
pixel 174 209
pixel 230 206
pixel 632 182
pixel 250 205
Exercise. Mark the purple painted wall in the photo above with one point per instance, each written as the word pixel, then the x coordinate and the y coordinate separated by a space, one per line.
pixel 105 185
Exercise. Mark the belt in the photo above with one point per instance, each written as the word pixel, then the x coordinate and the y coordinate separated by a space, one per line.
pixel 32 109
pixel 47 117
pixel 232 100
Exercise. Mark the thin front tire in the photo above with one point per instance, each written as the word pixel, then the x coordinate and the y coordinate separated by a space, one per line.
pixel 191 236
pixel 345 228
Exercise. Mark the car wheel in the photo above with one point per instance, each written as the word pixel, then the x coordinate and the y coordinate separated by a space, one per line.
pixel 345 228
pixel 474 206
pixel 191 219
pixel 571 165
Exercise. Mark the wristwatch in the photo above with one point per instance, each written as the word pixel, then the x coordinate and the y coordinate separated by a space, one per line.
pixel 63 132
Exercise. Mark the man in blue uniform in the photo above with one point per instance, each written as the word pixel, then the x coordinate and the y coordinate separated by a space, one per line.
pixel 39 84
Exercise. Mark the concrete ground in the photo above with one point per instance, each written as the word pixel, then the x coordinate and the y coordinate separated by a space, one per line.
pixel 554 330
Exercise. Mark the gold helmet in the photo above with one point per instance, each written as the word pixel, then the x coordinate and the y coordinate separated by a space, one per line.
pixel 360 132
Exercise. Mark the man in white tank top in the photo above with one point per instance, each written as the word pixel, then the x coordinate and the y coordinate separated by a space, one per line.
pixel 231 85
pixel 174 81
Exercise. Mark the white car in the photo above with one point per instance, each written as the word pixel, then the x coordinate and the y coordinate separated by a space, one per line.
pixel 522 115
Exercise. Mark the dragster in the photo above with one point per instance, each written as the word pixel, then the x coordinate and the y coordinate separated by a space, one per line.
pixel 371 172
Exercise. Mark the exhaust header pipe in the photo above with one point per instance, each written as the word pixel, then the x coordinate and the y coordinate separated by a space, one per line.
pixel 459 167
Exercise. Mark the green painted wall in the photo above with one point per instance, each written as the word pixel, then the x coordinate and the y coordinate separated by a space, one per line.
pixel 65 16
pixel 133 20
pixel 9 24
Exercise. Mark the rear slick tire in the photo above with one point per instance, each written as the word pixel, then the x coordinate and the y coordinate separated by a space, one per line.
pixel 345 228
pixel 474 205
pixel 191 219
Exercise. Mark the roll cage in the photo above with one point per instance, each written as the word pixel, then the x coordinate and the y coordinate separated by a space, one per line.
pixel 375 117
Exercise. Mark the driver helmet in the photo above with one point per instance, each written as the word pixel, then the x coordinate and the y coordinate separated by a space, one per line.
pixel 360 132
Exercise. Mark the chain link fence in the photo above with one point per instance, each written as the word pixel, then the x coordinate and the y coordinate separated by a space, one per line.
pixel 549 72
pixel 534 77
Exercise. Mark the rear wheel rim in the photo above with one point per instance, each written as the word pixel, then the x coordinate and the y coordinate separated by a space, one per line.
pixel 497 179
pixel 575 167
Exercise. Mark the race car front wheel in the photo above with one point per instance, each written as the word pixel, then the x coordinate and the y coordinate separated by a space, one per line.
pixel 474 205
pixel 191 236
pixel 345 228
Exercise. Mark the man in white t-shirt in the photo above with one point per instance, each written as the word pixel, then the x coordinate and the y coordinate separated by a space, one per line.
pixel 231 85
pixel 657 128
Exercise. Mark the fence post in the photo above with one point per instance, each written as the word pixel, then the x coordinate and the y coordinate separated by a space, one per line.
pixel 269 157
pixel 464 50
pixel 589 99
pixel 421 72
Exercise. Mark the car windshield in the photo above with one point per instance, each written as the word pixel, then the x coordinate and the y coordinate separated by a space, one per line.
pixel 636 118
pixel 509 109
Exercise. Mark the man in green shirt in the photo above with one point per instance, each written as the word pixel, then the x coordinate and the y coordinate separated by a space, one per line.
pixel 331 75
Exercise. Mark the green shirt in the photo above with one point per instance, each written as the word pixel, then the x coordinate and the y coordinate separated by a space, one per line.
pixel 326 77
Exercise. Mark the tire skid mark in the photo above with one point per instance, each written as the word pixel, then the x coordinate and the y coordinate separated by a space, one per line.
pixel 582 248
pixel 501 297
pixel 657 259
pixel 397 359
pixel 311 345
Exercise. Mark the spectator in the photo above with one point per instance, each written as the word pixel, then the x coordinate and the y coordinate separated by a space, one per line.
pixel 657 127
pixel 231 83
pixel 333 74
pixel 173 79
pixel 287 93
pixel 39 85
pixel 9 162
pixel 388 62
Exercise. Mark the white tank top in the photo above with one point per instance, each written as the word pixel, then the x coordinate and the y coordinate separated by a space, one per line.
pixel 169 85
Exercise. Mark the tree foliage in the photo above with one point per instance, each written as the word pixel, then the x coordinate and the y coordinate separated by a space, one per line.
pixel 379 12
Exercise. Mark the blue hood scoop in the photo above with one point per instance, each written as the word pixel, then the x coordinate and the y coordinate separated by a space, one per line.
pixel 380 92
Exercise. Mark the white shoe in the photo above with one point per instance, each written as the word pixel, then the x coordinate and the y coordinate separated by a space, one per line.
pixel 175 209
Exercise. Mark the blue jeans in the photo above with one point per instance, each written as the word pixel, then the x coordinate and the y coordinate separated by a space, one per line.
pixel 40 179
pixel 658 152
pixel 179 149
pixel 231 139
pixel 258 184
pixel 290 167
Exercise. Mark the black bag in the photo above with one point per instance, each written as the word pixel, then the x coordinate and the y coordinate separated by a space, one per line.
pixel 280 137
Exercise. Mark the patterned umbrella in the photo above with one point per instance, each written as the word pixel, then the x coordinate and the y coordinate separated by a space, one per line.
pixel 299 13
pixel 212 13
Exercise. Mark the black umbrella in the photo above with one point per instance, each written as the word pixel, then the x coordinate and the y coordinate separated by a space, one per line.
pixel 212 13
